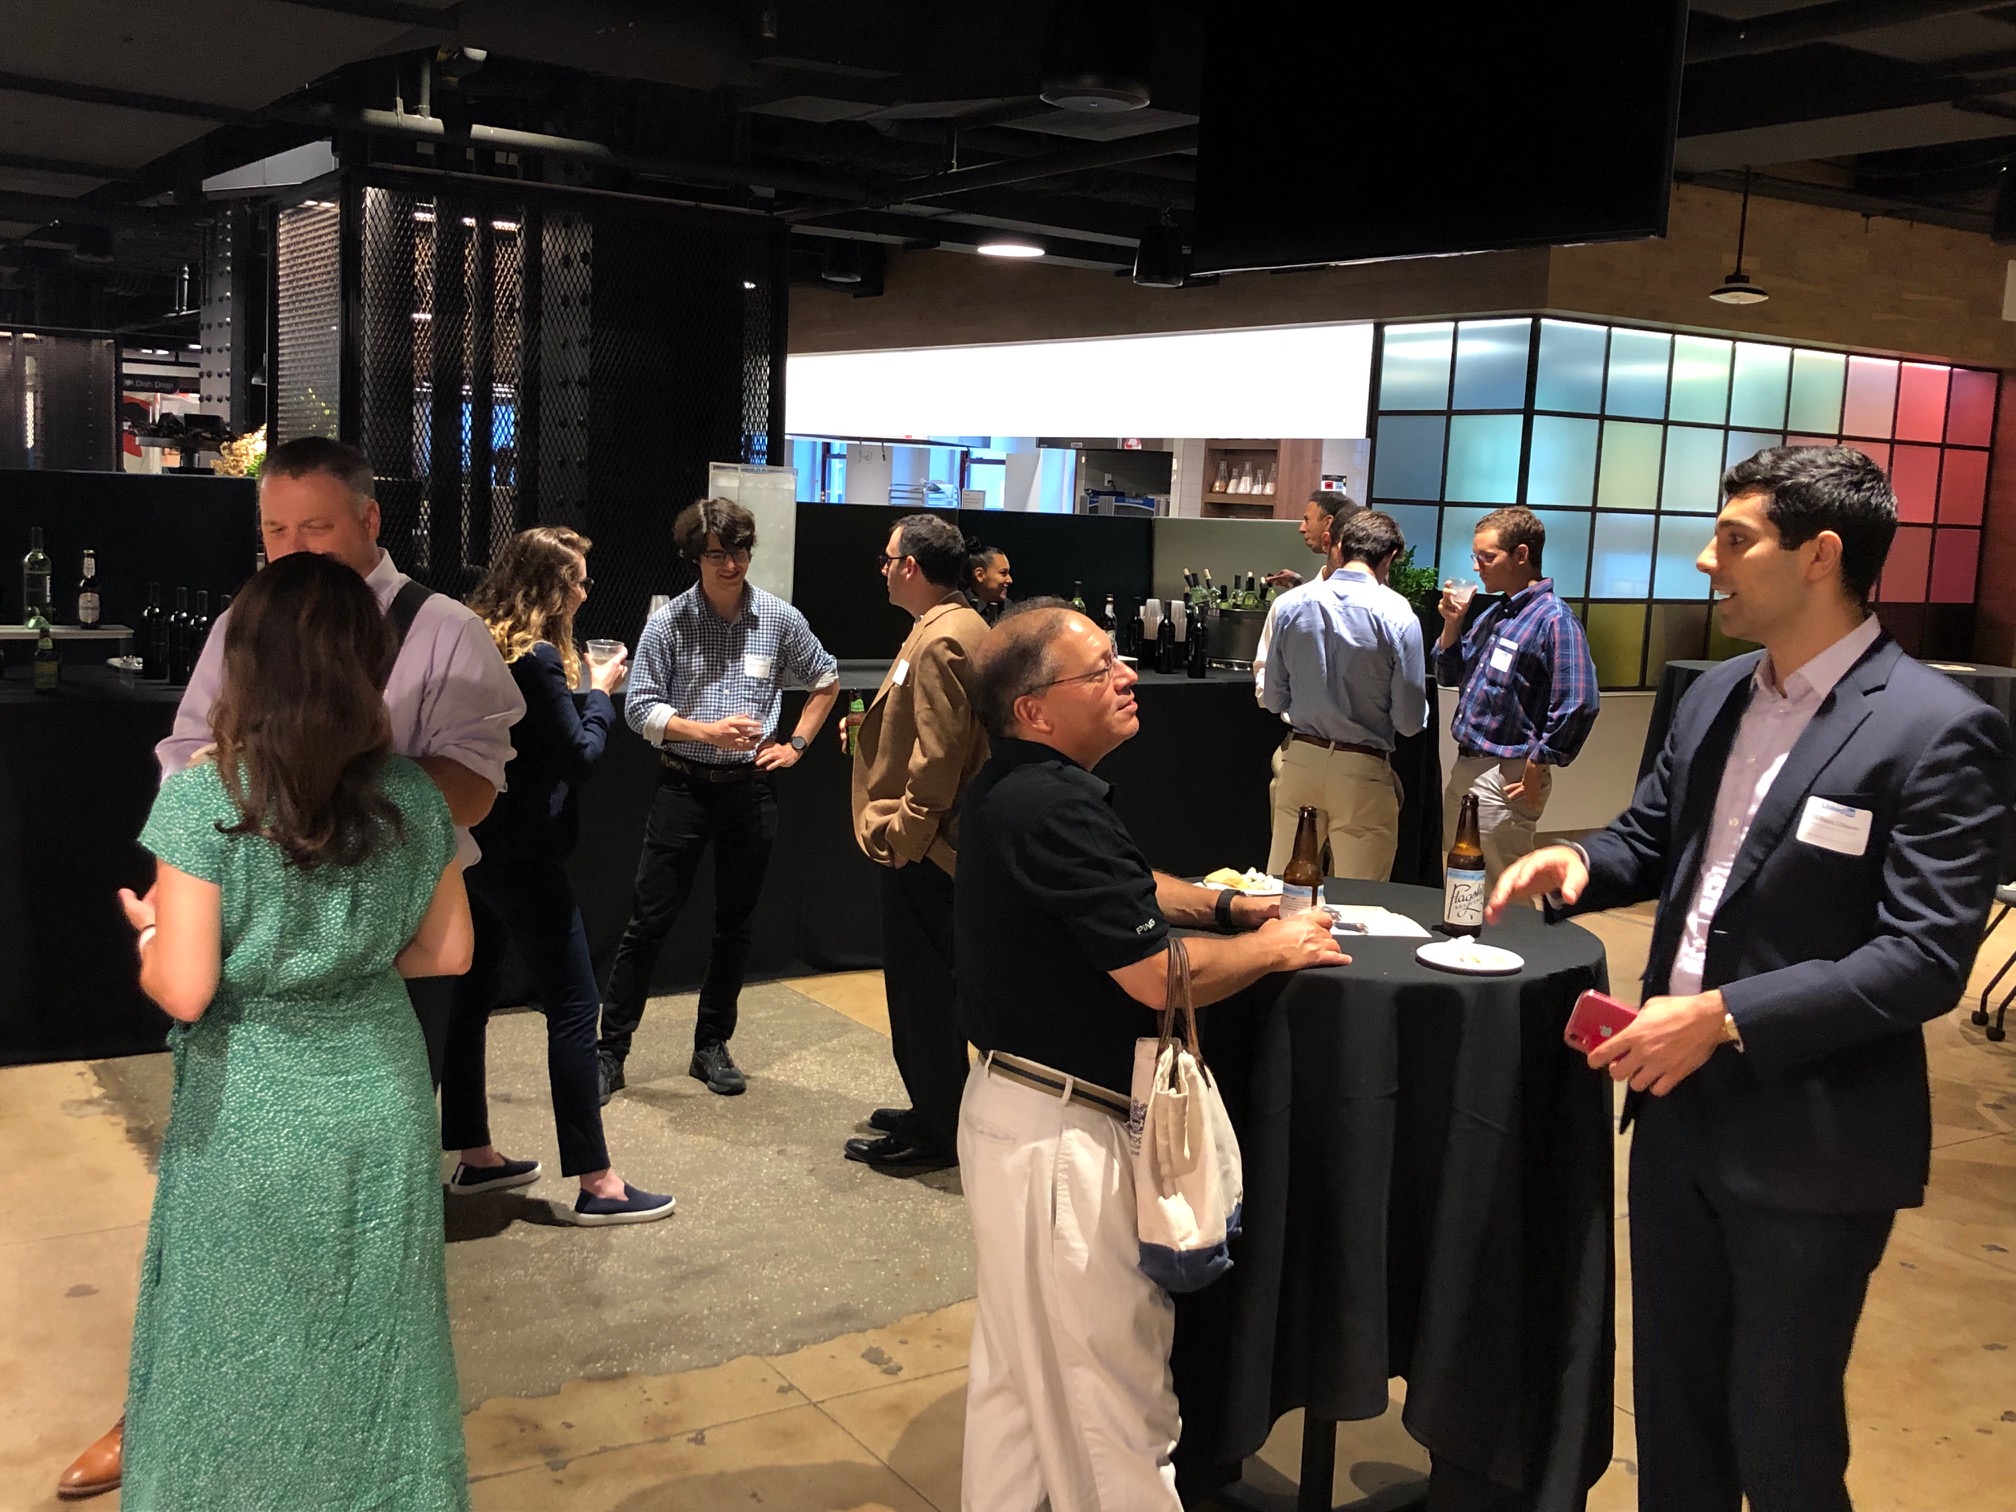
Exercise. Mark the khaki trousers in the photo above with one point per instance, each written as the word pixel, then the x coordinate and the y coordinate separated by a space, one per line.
pixel 1357 802
pixel 1070 1406
pixel 1506 827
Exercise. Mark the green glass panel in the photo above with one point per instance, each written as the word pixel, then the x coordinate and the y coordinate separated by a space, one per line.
pixel 1693 474
pixel 1562 466
pixel 1678 632
pixel 1491 364
pixel 1757 397
pixel 1681 538
pixel 1620 566
pixel 1818 381
pixel 1638 363
pixel 1565 554
pixel 1701 379
pixel 1617 643
pixel 1571 367
pixel 1484 458
pixel 1414 371
pixel 1629 476
pixel 1408 463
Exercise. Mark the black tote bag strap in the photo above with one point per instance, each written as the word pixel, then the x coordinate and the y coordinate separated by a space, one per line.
pixel 403 610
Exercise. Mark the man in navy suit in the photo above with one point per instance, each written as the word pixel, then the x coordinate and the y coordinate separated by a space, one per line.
pixel 1824 833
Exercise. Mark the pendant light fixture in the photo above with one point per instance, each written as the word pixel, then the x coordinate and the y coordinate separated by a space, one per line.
pixel 1737 289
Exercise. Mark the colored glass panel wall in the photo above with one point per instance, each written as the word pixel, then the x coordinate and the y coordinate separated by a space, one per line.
pixel 1617 644
pixel 1905 570
pixel 1491 364
pixel 1414 367
pixel 1620 563
pixel 1639 361
pixel 1562 467
pixel 1565 556
pixel 1417 524
pixel 1674 575
pixel 1484 458
pixel 1693 471
pixel 1956 556
pixel 1921 402
pixel 1970 408
pixel 1757 395
pixel 1701 379
pixel 1871 408
pixel 1963 487
pixel 1818 381
pixel 1914 477
pixel 1570 375
pixel 1628 477
pixel 1408 460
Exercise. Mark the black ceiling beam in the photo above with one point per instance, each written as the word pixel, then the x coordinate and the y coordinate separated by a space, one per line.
pixel 1134 149
pixel 1817 23
pixel 123 99
pixel 420 17
pixel 1799 191
pixel 36 164
pixel 41 209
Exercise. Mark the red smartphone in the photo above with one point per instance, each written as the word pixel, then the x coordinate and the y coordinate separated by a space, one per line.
pixel 1597 1016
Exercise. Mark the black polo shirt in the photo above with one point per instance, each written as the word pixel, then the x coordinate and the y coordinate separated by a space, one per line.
pixel 1052 895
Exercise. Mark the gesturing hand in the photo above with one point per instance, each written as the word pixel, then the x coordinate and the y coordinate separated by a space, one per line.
pixel 1553 868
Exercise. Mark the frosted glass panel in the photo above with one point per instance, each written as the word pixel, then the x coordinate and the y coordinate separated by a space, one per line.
pixel 1629 476
pixel 1693 475
pixel 1681 538
pixel 1484 458
pixel 1963 487
pixel 1757 397
pixel 1743 445
pixel 1914 478
pixel 1408 463
pixel 1617 643
pixel 1491 364
pixel 1904 570
pixel 1459 528
pixel 1701 379
pixel 1678 632
pixel 1565 557
pixel 1955 556
pixel 1921 402
pixel 1638 362
pixel 1817 381
pixel 1417 528
pixel 1414 373
pixel 1562 467
pixel 1971 407
pixel 1622 565
pixel 1872 397
pixel 1571 367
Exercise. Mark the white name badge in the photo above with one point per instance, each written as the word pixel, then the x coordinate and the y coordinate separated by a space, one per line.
pixel 1501 658
pixel 902 673
pixel 1835 827
pixel 755 666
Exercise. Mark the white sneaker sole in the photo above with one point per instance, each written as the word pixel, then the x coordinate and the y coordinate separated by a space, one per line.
pixel 602 1220
pixel 502 1185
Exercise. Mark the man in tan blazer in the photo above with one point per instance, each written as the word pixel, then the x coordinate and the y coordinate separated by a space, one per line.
pixel 915 750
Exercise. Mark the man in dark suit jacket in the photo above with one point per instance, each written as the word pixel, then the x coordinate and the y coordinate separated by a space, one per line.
pixel 1824 833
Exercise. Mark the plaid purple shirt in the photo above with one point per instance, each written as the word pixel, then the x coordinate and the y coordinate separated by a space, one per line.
pixel 1528 685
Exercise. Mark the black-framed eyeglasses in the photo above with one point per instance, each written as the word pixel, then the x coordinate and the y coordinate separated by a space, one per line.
pixel 722 558
pixel 1104 671
pixel 886 561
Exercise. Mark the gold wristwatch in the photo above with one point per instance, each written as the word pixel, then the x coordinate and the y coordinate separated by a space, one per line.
pixel 1730 1033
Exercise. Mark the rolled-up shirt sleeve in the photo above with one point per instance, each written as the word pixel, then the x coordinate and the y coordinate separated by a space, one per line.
pixel 471 703
pixel 805 659
pixel 646 706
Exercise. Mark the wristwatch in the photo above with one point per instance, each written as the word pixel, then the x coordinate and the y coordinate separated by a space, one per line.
pixel 1730 1033
pixel 1221 911
pixel 798 744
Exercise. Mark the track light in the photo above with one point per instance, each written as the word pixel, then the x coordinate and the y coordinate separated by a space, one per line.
pixel 1161 261
pixel 1009 246
pixel 1737 289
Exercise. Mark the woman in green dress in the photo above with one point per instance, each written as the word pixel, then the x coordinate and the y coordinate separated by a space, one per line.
pixel 291 1349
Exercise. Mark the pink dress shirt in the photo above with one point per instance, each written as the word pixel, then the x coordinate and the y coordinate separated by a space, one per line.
pixel 1771 727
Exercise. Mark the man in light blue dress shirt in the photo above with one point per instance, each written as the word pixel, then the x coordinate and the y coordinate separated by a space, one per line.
pixel 1349 674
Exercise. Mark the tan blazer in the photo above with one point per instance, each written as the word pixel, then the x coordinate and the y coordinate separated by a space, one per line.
pixel 919 743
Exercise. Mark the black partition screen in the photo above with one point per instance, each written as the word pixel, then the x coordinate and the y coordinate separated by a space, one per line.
pixel 513 355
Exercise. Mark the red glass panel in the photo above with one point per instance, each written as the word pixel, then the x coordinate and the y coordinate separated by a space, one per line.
pixel 1876 451
pixel 1903 580
pixel 1921 402
pixel 1872 397
pixel 1954 560
pixel 1964 487
pixel 1811 441
pixel 1914 474
pixel 1970 419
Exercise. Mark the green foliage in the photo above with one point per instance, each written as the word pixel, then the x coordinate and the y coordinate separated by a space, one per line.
pixel 1417 585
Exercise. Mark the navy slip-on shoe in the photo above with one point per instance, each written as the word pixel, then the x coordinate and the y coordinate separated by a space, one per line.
pixel 633 1207
pixel 469 1180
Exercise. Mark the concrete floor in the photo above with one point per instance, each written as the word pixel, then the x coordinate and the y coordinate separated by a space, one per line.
pixel 796 1337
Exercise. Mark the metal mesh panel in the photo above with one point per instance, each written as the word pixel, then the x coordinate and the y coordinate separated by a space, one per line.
pixel 58 401
pixel 307 338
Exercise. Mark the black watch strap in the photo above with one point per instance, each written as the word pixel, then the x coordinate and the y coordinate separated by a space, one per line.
pixel 1222 909
pixel 797 743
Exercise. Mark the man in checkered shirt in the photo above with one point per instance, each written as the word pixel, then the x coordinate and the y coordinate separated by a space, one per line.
pixel 705 688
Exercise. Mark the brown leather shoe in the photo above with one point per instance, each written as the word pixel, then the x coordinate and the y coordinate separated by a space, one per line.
pixel 97 1469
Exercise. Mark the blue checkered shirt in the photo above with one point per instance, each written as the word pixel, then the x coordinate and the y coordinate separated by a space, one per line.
pixel 693 664
pixel 1528 685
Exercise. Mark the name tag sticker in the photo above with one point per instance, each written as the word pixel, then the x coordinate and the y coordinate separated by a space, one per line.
pixel 1501 658
pixel 1835 827
pixel 902 673
pixel 755 666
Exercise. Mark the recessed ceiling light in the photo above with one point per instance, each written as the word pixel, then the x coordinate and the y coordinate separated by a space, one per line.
pixel 747 284
pixel 1007 247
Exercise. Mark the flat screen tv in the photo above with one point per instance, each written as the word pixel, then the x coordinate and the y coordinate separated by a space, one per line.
pixel 1342 133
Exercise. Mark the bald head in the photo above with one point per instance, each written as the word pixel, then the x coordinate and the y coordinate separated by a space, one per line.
pixel 1047 674
pixel 1017 655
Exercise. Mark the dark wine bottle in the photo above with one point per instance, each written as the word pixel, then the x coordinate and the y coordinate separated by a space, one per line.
pixel 153 636
pixel 1200 646
pixel 199 627
pixel 179 659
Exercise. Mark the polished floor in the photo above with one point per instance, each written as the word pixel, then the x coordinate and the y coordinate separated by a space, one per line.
pixel 795 1339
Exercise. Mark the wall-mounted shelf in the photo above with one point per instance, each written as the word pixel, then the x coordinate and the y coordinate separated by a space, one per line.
pixel 1296 467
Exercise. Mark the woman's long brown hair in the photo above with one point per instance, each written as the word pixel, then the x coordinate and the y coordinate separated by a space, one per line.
pixel 528 594
pixel 301 725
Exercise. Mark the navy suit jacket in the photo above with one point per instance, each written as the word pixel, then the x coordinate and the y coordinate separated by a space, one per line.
pixel 553 749
pixel 1830 964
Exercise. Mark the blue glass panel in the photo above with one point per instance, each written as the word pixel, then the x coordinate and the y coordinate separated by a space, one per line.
pixel 1681 538
pixel 1763 376
pixel 1629 476
pixel 1622 566
pixel 1638 362
pixel 1414 373
pixel 1571 367
pixel 1700 379
pixel 1408 462
pixel 1565 556
pixel 1693 478
pixel 1744 445
pixel 1459 528
pixel 1484 458
pixel 1491 364
pixel 1562 467
pixel 1417 524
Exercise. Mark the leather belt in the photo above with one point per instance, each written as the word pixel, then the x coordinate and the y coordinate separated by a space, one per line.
pixel 740 772
pixel 1340 745
pixel 1056 1084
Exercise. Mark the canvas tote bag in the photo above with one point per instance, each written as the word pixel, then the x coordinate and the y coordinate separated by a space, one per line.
pixel 1188 1182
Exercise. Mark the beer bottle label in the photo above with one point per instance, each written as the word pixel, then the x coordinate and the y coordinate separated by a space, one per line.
pixel 1463 898
pixel 1296 899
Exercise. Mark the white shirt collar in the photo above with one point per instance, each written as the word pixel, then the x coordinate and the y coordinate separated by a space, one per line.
pixel 1816 679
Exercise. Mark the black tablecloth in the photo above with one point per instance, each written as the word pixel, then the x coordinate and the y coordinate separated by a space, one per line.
pixel 1428 1195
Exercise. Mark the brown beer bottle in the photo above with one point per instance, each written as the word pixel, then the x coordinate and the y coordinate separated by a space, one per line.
pixel 1302 877
pixel 1463 879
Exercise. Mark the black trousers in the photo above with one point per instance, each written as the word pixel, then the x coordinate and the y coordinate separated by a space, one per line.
pixel 528 903
pixel 433 1000
pixel 740 818
pixel 1742 1322
pixel 924 1030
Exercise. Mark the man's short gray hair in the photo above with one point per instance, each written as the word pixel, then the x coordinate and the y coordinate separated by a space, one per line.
pixel 1018 656
pixel 318 456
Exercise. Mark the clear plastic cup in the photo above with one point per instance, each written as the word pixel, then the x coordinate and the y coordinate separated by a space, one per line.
pixel 1460 591
pixel 600 651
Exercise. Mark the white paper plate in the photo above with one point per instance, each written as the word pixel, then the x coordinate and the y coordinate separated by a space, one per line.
pixel 1470 958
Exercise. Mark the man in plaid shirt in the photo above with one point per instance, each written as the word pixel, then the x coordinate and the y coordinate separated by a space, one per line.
pixel 1528 688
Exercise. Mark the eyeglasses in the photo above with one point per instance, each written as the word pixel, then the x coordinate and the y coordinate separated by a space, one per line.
pixel 722 558
pixel 886 561
pixel 1101 673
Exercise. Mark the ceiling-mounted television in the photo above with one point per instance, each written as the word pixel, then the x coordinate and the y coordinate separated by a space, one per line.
pixel 1341 133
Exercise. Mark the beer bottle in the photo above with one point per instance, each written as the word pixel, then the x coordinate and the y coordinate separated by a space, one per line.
pixel 1463 880
pixel 855 706
pixel 1302 877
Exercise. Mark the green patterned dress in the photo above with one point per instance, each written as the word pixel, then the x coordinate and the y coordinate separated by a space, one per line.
pixel 291 1349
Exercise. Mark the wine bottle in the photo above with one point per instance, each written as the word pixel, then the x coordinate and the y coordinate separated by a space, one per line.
pixel 1200 649
pixel 35 577
pixel 179 659
pixel 1110 622
pixel 1078 597
pixel 1208 593
pixel 1251 598
pixel 855 707
pixel 1463 878
pixel 1165 642
pixel 48 664
pixel 89 607
pixel 153 636
pixel 199 627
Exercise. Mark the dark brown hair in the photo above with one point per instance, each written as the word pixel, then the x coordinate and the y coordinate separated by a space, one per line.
pixel 301 725
pixel 1516 527
pixel 725 520
pixel 1370 537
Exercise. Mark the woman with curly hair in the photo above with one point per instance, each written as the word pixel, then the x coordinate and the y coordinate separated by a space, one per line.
pixel 519 891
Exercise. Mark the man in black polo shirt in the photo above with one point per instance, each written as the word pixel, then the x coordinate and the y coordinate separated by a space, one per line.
pixel 1060 932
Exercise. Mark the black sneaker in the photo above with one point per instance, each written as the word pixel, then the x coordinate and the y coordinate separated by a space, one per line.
pixel 712 1065
pixel 633 1206
pixel 470 1179
pixel 608 1074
